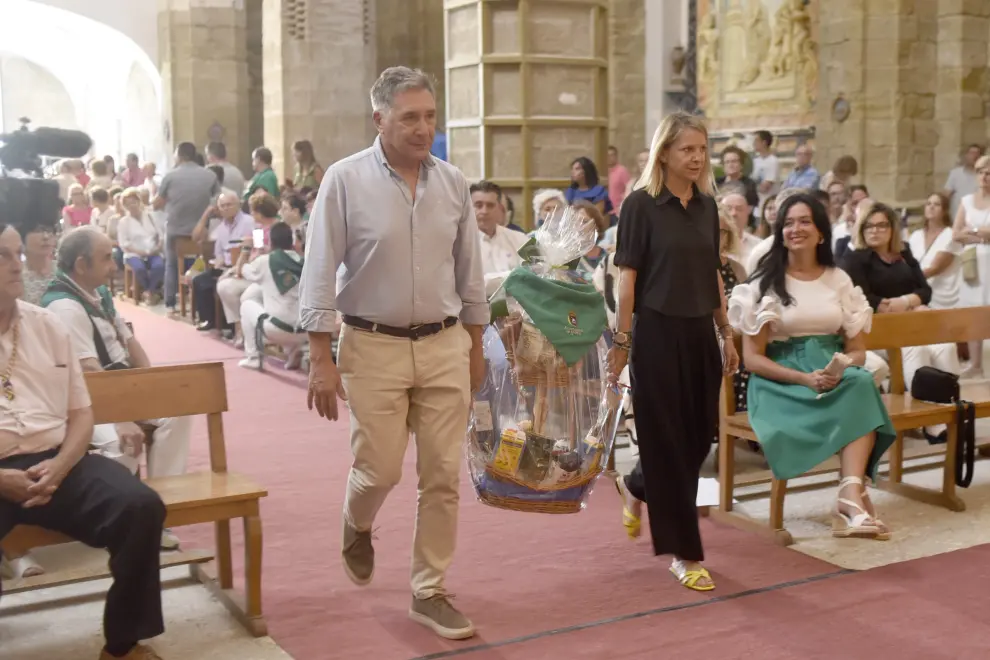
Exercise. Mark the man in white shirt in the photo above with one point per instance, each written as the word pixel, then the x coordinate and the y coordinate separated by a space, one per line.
pixel 277 315
pixel 499 246
pixel 736 205
pixel 103 342
pixel 766 167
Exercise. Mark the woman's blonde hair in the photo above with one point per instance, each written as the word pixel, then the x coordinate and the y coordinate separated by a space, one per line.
pixel 732 241
pixel 982 162
pixel 132 192
pixel 896 244
pixel 652 179
pixel 75 188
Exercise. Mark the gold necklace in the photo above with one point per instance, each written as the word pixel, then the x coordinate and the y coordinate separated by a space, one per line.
pixel 5 383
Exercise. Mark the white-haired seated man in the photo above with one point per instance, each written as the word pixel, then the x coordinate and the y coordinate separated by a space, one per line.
pixel 49 479
pixel 103 342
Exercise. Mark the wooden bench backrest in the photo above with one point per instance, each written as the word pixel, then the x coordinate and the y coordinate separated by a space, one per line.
pixel 173 391
pixel 925 327
pixel 892 332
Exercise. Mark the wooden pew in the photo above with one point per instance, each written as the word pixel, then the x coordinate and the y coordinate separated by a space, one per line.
pixel 216 496
pixel 891 333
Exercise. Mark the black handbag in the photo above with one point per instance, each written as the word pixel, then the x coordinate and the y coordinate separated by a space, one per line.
pixel 937 386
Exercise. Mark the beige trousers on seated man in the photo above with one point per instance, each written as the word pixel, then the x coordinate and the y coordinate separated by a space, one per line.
pixel 395 386
pixel 231 291
pixel 167 453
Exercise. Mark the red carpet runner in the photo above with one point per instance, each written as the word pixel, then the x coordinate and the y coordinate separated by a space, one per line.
pixel 520 575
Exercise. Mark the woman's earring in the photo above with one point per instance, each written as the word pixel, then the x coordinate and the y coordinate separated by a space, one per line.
pixel 821 239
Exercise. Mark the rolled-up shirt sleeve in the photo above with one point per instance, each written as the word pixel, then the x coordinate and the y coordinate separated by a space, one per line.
pixel 468 273
pixel 325 242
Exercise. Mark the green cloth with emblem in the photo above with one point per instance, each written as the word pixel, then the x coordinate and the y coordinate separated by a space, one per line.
pixel 286 268
pixel 62 288
pixel 798 429
pixel 570 315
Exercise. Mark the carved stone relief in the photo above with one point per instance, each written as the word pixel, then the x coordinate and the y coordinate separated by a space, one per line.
pixel 757 58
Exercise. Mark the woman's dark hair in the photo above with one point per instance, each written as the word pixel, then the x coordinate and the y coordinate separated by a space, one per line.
pixel 590 172
pixel 218 172
pixel 771 271
pixel 297 202
pixel 305 149
pixel 281 236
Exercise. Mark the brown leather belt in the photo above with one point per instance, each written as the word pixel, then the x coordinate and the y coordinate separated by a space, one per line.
pixel 415 332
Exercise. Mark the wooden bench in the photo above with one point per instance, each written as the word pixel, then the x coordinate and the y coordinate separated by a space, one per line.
pixel 891 333
pixel 216 496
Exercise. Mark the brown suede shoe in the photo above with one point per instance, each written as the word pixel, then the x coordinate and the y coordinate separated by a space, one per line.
pixel 139 652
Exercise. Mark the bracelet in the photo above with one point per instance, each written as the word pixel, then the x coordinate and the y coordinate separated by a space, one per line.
pixel 722 330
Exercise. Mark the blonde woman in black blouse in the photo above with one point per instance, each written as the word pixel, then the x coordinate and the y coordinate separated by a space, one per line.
pixel 670 304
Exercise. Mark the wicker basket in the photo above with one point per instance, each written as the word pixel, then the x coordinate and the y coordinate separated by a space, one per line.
pixel 529 506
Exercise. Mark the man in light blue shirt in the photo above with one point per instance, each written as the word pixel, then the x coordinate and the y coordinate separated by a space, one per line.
pixel 399 227
pixel 804 175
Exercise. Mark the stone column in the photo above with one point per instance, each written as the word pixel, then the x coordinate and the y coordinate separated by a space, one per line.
pixel 627 79
pixel 667 25
pixel 527 85
pixel 880 59
pixel 255 91
pixel 319 65
pixel 963 86
pixel 205 73
pixel 412 35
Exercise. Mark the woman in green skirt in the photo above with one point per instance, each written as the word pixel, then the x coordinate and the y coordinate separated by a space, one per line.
pixel 796 312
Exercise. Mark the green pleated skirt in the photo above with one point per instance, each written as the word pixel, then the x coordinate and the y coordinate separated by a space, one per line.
pixel 798 430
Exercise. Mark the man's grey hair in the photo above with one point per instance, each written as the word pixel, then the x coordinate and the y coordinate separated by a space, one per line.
pixel 227 192
pixel 74 244
pixel 395 80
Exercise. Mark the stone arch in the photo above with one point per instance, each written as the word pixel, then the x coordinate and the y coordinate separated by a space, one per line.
pixel 30 90
pixel 63 43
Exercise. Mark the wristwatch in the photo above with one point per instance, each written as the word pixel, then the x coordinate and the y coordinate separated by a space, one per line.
pixel 622 338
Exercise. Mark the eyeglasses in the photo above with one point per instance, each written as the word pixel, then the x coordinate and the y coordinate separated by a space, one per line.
pixel 876 226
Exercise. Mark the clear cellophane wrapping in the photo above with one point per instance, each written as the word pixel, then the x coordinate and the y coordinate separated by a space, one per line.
pixel 541 431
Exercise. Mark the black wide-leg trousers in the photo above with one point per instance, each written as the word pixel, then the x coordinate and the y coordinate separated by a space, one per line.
pixel 676 375
pixel 103 505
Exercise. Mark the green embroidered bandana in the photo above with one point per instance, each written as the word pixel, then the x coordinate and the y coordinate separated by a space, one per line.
pixel 286 269
pixel 62 287
pixel 570 315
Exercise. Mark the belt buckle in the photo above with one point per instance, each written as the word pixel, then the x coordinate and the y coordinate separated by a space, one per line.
pixel 414 331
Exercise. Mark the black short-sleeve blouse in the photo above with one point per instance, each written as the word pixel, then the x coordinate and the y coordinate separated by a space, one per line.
pixel 674 251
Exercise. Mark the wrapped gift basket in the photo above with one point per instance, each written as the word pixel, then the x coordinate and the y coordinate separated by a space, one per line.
pixel 544 422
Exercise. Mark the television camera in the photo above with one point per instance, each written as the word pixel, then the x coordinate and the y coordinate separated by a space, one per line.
pixel 27 199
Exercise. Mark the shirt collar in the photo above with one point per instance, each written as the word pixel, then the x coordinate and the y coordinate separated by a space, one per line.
pixel 429 162
pixel 666 196
pixel 90 297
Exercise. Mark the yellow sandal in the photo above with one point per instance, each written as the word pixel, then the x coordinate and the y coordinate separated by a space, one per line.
pixel 690 578
pixel 632 522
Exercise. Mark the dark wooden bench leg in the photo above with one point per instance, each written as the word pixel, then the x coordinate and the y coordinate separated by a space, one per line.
pixel 726 469
pixel 778 488
pixel 225 569
pixel 947 496
pixel 252 573
pixel 896 461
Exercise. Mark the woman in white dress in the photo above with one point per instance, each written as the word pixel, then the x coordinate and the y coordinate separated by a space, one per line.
pixel 972 230
pixel 938 253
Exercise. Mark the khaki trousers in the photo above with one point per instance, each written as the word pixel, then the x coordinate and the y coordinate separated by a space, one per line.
pixel 396 386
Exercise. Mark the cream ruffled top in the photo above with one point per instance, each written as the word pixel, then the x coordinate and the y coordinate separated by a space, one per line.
pixel 828 305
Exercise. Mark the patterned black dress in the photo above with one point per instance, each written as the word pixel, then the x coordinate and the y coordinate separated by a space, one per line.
pixel 740 380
